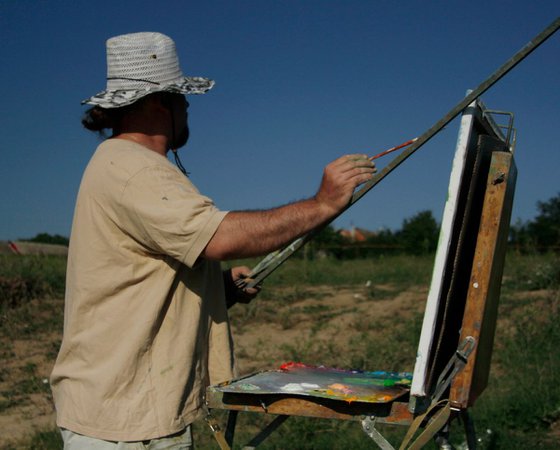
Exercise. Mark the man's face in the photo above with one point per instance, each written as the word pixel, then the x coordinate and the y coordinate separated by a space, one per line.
pixel 179 106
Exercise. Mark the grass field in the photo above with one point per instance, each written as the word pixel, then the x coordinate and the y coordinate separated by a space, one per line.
pixel 362 314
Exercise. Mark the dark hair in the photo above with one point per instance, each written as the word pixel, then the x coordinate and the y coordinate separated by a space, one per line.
pixel 99 119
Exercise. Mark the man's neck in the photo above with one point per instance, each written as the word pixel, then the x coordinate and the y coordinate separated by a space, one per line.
pixel 156 143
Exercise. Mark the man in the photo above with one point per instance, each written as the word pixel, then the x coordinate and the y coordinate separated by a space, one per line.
pixel 146 326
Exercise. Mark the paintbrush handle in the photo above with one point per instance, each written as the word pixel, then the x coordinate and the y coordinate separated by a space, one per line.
pixel 392 149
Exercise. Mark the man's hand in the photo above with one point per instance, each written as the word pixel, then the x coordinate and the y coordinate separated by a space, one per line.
pixel 235 294
pixel 340 178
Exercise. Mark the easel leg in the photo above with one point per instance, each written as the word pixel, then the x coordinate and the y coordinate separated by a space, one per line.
pixel 230 427
pixel 442 438
pixel 469 430
pixel 257 440
pixel 216 430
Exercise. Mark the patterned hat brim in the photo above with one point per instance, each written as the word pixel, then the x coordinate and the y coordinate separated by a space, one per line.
pixel 116 99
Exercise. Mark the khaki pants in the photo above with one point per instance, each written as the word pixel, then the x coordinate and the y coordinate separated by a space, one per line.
pixel 181 441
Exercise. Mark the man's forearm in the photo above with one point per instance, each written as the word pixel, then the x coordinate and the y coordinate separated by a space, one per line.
pixel 244 234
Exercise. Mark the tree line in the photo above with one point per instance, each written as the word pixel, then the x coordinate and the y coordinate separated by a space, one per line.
pixel 541 234
pixel 418 235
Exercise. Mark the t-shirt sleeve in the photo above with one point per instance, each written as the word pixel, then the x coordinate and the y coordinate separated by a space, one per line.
pixel 165 212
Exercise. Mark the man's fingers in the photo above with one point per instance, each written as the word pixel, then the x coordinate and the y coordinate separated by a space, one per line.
pixel 341 177
pixel 360 170
pixel 357 160
pixel 251 291
pixel 350 165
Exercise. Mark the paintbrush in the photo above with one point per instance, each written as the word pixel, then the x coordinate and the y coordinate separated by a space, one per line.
pixel 392 149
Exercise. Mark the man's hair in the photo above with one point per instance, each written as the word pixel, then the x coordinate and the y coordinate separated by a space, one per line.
pixel 99 119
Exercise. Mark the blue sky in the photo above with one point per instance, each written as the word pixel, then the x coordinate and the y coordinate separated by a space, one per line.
pixel 298 83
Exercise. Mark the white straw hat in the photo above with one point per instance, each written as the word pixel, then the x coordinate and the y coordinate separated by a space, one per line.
pixel 139 64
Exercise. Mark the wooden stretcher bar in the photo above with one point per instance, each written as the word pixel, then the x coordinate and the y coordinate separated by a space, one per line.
pixel 481 309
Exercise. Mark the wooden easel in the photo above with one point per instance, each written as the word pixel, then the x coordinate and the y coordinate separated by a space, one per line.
pixel 461 326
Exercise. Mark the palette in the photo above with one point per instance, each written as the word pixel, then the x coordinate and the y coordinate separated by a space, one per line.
pixel 298 379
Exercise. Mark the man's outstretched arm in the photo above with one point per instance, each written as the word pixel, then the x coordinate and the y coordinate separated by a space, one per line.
pixel 244 234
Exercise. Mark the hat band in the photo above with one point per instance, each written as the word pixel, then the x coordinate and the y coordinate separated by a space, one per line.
pixel 134 79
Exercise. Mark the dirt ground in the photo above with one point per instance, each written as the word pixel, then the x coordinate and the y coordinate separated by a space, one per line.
pixel 265 334
pixel 328 317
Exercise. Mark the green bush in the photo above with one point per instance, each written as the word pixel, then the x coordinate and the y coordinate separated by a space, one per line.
pixel 23 278
pixel 532 272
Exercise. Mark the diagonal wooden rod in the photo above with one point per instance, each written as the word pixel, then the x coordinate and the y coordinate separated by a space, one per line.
pixel 275 259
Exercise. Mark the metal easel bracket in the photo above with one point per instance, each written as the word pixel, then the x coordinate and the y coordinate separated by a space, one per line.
pixel 510 131
pixel 368 425
pixel 440 410
pixel 455 364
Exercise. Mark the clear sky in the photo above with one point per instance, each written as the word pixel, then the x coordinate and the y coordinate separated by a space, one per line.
pixel 298 83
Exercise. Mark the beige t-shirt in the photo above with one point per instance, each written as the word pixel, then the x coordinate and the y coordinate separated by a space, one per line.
pixel 146 325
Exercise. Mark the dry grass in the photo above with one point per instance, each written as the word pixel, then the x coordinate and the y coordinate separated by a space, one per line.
pixel 370 322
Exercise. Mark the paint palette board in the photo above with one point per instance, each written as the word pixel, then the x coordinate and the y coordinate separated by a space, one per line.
pixel 296 379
